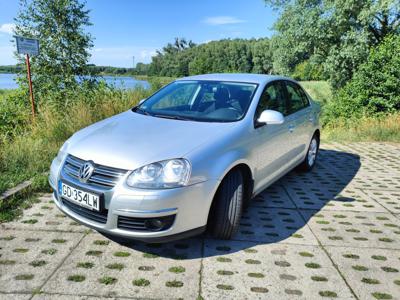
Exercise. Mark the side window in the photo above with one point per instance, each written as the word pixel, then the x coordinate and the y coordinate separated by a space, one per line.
pixel 272 98
pixel 297 99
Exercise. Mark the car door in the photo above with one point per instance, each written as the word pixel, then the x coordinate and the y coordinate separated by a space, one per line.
pixel 271 140
pixel 298 119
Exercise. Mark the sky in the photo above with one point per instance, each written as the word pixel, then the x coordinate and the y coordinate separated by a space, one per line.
pixel 126 28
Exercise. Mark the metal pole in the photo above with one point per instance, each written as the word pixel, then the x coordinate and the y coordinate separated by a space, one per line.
pixel 28 66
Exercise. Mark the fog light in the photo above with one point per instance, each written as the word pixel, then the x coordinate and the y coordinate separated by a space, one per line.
pixel 154 224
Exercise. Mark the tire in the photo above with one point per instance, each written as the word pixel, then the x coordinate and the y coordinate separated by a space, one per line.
pixel 311 156
pixel 226 210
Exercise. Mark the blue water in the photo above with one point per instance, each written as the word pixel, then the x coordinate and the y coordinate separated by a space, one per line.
pixel 7 81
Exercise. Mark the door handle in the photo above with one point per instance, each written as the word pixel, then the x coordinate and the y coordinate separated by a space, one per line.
pixel 311 119
pixel 291 128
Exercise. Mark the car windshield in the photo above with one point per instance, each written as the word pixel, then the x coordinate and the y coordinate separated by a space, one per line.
pixel 207 101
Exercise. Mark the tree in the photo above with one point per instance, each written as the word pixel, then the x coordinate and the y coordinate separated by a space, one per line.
pixel 335 33
pixel 64 45
pixel 185 58
pixel 374 88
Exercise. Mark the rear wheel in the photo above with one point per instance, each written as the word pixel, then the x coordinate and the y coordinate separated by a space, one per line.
pixel 311 156
pixel 226 210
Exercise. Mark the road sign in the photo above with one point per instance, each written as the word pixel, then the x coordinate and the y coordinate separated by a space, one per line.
pixel 27 45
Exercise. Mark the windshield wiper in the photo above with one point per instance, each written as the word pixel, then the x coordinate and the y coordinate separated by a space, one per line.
pixel 141 111
pixel 172 117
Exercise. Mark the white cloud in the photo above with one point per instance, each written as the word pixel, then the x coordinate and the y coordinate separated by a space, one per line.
pixel 222 20
pixel 147 54
pixel 7 55
pixel 121 56
pixel 7 28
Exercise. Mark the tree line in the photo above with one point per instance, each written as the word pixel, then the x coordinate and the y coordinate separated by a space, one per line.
pixel 313 40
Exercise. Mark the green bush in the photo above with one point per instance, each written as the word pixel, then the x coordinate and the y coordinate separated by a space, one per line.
pixel 26 148
pixel 374 89
pixel 307 71
pixel 15 111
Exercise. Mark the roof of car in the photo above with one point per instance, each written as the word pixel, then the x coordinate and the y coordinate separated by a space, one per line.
pixel 236 77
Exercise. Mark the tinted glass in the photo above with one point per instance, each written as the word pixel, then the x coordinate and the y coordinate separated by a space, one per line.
pixel 297 99
pixel 213 101
pixel 272 98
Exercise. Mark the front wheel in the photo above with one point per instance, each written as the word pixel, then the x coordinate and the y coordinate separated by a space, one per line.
pixel 311 156
pixel 226 210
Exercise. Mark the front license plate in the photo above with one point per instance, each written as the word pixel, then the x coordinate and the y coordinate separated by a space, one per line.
pixel 82 198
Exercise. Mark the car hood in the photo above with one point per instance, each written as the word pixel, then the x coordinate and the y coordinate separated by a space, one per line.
pixel 130 140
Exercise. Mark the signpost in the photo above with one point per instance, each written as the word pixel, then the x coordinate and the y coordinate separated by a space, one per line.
pixel 28 47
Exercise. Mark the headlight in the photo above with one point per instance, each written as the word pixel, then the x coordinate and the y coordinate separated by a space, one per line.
pixel 62 152
pixel 161 175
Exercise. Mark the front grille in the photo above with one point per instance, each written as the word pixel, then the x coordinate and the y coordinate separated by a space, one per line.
pixel 100 217
pixel 105 177
pixel 144 224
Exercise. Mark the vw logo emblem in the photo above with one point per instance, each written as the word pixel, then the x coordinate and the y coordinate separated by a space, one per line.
pixel 85 171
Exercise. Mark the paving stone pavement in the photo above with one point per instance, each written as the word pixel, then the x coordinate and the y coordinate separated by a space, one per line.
pixel 333 233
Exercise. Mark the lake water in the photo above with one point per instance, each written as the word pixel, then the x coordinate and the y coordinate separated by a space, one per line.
pixel 7 81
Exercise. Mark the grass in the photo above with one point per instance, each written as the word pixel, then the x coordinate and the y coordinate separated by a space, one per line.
pixel 256 275
pixel 38 263
pixel 313 265
pixel 24 277
pixel 306 254
pixel 94 253
pixel 50 251
pixel 76 278
pixel 141 282
pixel 115 266
pixel 20 250
pixel 7 262
pixel 382 296
pixel 85 265
pixel 178 269
pixel 27 151
pixel 101 242
pixel 174 283
pixel 122 254
pixel 320 91
pixel 224 259
pixel 384 129
pixel 370 281
pixel 146 268
pixel 58 241
pixel 225 287
pixel 328 294
pixel 13 207
pixel 224 272
pixel 107 280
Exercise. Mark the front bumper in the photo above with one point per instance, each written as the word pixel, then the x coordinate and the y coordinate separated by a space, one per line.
pixel 189 205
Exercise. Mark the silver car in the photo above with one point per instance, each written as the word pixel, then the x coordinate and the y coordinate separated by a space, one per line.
pixel 187 158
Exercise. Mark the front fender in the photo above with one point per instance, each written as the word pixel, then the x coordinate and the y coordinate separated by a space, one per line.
pixel 216 166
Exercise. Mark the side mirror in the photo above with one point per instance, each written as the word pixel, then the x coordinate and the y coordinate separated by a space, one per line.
pixel 271 117
pixel 141 101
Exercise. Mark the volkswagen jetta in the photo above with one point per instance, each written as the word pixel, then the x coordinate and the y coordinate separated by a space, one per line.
pixel 189 157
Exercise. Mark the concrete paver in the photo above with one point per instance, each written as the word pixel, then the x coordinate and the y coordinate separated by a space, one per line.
pixel 28 258
pixel 370 272
pixel 333 233
pixel 245 270
pixel 355 229
pixel 158 271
